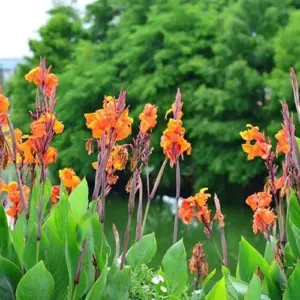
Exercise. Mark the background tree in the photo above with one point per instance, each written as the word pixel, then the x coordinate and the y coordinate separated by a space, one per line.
pixel 227 57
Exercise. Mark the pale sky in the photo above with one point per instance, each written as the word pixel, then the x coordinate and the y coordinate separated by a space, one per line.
pixel 20 20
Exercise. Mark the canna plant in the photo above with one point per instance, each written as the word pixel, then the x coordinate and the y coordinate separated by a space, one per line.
pixel 52 238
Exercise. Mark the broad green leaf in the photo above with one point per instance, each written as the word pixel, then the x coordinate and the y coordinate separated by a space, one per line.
pixel 241 287
pixel 98 288
pixel 118 286
pixel 72 253
pixel 4 232
pixel 293 220
pixel 101 247
pixel 218 291
pixel 10 276
pixel 142 252
pixel 18 237
pixel 34 251
pixel 175 268
pixel 254 289
pixel 292 289
pixel 55 260
pixel 247 267
pixel 79 199
pixel 269 250
pixel 207 281
pixel 36 284
pixel 277 275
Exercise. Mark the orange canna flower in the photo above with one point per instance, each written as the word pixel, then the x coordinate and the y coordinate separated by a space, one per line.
pixel 35 76
pixel 195 206
pixel 14 197
pixel 50 156
pixel 173 142
pixel 28 151
pixel 148 118
pixel 4 104
pixel 202 197
pixel 55 193
pixel 203 214
pixel 39 127
pixel 118 158
pixel 51 83
pixel 251 133
pixel 283 145
pixel 186 211
pixel 109 119
pixel 260 148
pixel 69 178
pixel 259 200
pixel 263 220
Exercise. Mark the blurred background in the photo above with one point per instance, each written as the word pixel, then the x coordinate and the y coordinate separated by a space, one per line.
pixel 230 58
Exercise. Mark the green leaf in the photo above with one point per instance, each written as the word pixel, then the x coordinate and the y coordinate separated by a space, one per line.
pixel 269 250
pixel 36 284
pixel 118 286
pixel 4 232
pixel 207 281
pixel 247 267
pixel 10 276
pixel 99 242
pixel 293 221
pixel 175 268
pixel 218 291
pixel 292 289
pixel 79 199
pixel 30 251
pixel 142 252
pixel 254 289
pixel 18 237
pixel 72 253
pixel 98 288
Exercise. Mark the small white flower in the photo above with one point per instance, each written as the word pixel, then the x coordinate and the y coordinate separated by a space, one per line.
pixel 155 279
pixel 160 278
pixel 163 289
pixel 197 292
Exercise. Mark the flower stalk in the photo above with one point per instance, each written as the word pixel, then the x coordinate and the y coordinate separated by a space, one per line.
pixel 130 213
pixel 175 232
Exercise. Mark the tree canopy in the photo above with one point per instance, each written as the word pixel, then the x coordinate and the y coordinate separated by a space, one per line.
pixel 229 58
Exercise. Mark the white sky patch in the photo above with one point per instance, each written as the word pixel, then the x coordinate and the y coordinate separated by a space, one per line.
pixel 20 21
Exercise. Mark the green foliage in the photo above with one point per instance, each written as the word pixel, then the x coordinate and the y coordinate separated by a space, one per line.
pixel 4 241
pixel 36 284
pixel 175 269
pixel 142 252
pixel 228 58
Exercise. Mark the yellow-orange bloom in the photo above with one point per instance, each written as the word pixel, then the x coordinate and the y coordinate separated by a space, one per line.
pixel 202 197
pixel 50 156
pixel 260 148
pixel 195 207
pixel 69 178
pixel 35 76
pixel 262 199
pixel 108 119
pixel 148 117
pixel 39 127
pixel 283 145
pixel 4 104
pixel 28 151
pixel 173 142
pixel 263 220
